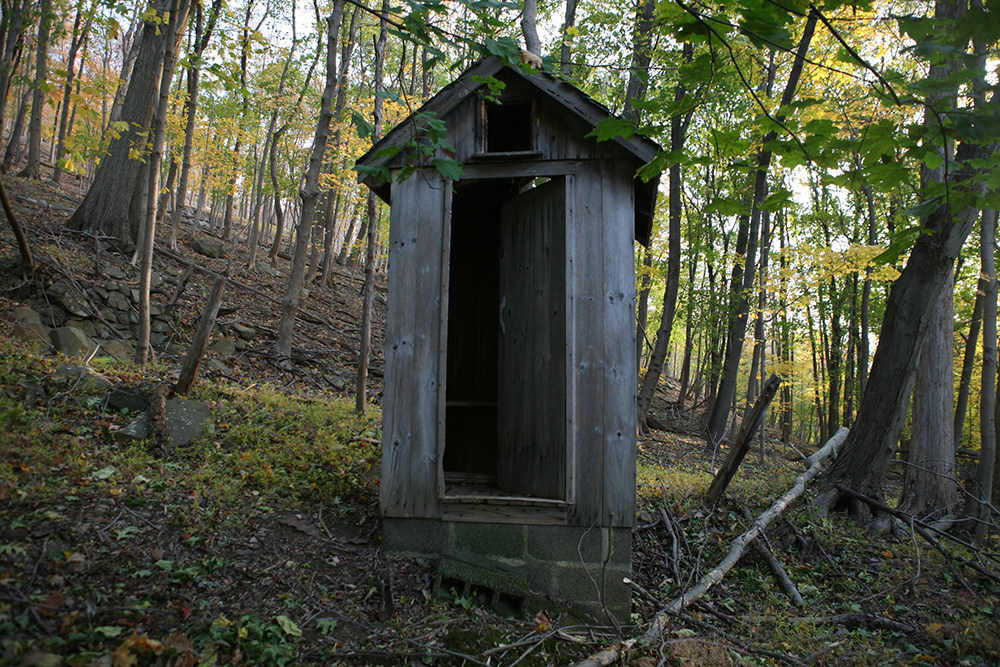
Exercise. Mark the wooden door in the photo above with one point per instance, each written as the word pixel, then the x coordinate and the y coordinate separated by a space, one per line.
pixel 532 364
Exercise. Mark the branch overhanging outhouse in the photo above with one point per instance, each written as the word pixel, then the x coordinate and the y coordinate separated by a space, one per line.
pixel 508 449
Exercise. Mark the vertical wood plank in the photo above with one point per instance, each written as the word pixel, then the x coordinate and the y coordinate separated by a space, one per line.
pixel 619 345
pixel 409 440
pixel 586 332
pixel 532 400
pixel 443 334
pixel 400 312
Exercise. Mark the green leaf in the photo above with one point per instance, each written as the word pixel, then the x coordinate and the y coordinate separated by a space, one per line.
pixel 109 631
pixel 167 565
pixel 612 128
pixel 448 168
pixel 365 129
pixel 103 473
pixel 288 626
pixel 376 171
pixel 726 207
pixel 901 242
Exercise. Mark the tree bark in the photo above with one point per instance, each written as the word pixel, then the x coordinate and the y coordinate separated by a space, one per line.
pixel 202 35
pixel 529 28
pixel 929 487
pixel 114 204
pixel 33 168
pixel 178 18
pixel 734 348
pixel 310 189
pixel 77 40
pixel 565 51
pixel 978 504
pixel 368 291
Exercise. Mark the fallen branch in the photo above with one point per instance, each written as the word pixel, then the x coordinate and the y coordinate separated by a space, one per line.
pixel 302 313
pixel 27 263
pixel 922 529
pixel 779 571
pixel 740 544
pixel 744 440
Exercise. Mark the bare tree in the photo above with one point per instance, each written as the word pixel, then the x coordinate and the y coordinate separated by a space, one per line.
pixel 310 189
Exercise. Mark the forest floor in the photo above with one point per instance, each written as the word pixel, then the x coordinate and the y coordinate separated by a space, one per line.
pixel 259 543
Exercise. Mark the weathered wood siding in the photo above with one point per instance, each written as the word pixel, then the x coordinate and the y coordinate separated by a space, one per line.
pixel 600 344
pixel 410 416
pixel 532 400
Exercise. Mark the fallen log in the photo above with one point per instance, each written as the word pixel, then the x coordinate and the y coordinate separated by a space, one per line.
pixel 740 544
pixel 744 440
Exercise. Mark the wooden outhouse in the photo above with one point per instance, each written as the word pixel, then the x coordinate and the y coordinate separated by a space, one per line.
pixel 510 375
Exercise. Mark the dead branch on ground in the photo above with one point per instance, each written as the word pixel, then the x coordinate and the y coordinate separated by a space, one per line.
pixel 739 545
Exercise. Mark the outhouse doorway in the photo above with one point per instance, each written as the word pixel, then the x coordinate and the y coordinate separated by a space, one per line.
pixel 505 309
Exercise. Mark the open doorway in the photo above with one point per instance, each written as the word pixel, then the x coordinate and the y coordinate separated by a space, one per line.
pixel 505 408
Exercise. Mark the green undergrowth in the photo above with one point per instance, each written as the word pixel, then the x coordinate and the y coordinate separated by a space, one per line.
pixel 57 439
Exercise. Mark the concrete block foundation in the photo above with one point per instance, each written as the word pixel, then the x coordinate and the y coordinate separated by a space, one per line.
pixel 582 567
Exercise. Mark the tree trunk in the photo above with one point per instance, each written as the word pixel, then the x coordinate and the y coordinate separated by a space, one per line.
pixel 528 27
pixel 77 40
pixel 10 155
pixel 368 291
pixel 33 168
pixel 743 280
pixel 12 43
pixel 310 189
pixel 202 35
pixel 882 411
pixel 678 131
pixel 980 501
pixel 929 487
pixel 565 51
pixel 113 205
pixel 174 30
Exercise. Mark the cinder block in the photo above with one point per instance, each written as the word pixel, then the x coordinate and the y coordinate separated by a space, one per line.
pixel 503 540
pixel 415 538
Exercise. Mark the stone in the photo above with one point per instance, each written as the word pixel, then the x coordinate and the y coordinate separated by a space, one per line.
pixel 215 364
pixel 134 294
pixel 186 419
pixel 118 301
pixel 155 279
pixel 112 286
pixel 109 315
pixel 209 246
pixel 71 341
pixel 241 344
pixel 338 382
pixel 86 326
pixel 32 332
pixel 75 303
pixel 265 267
pixel 84 377
pixel 102 329
pixel 159 326
pixel 115 272
pixel 26 315
pixel 245 332
pixel 224 347
pixel 156 339
pixel 60 287
pixel 124 399
pixel 52 316
pixel 99 291
pixel 116 348
pixel 155 310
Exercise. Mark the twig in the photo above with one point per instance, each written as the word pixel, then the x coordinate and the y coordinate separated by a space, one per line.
pixel 740 544
pixel 779 571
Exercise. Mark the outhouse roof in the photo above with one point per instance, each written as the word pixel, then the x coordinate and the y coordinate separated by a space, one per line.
pixel 568 95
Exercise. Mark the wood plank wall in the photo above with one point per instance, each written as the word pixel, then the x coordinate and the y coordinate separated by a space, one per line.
pixel 410 417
